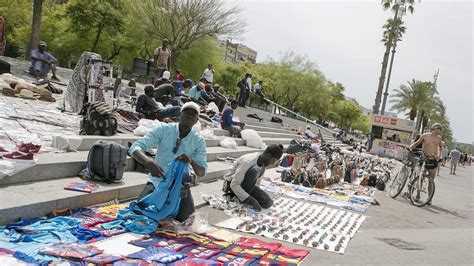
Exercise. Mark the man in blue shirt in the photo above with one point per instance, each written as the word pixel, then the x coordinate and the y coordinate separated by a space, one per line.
pixel 228 124
pixel 178 141
pixel 42 62
pixel 195 93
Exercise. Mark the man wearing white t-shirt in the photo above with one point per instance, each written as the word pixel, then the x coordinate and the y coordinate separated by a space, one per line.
pixel 208 74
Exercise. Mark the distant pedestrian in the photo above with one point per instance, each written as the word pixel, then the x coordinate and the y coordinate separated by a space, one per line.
pixel 244 87
pixel 208 75
pixel 455 156
pixel 162 59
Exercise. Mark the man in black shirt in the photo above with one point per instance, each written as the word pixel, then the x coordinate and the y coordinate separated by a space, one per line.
pixel 147 106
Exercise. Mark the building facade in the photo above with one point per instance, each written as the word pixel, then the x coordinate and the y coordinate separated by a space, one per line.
pixel 237 53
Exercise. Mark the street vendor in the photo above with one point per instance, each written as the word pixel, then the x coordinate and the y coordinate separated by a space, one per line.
pixel 174 141
pixel 151 109
pixel 241 180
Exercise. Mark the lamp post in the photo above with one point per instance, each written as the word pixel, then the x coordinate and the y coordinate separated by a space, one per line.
pixel 402 11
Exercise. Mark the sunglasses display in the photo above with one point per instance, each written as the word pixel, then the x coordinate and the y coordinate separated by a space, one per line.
pixel 303 224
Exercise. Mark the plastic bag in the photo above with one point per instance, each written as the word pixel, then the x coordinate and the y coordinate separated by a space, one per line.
pixel 141 131
pixel 148 123
pixel 252 138
pixel 197 126
pixel 207 133
pixel 228 143
pixel 212 107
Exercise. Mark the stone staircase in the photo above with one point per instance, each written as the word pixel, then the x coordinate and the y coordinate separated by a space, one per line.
pixel 38 190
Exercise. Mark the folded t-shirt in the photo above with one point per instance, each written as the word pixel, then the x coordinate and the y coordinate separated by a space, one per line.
pixel 135 262
pixel 70 250
pixel 200 252
pixel 228 259
pixel 161 255
pixel 241 251
pixel 258 244
pixel 103 259
pixel 196 262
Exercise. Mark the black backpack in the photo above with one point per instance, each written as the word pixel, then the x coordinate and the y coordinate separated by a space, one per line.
pixel 98 120
pixel 106 161
pixel 297 146
pixel 276 120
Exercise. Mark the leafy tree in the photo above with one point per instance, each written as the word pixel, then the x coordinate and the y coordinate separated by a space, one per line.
pixel 96 17
pixel 394 30
pixel 183 22
pixel 35 27
pixel 395 6
pixel 348 112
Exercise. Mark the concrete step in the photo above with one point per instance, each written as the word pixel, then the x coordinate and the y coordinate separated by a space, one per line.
pixel 124 139
pixel 60 165
pixel 263 134
pixel 40 198
pixel 54 165
pixel 265 128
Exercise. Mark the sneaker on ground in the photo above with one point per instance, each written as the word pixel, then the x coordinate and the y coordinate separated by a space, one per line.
pixel 29 148
pixel 18 156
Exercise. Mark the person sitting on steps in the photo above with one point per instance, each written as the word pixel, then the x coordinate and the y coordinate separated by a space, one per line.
pixel 42 63
pixel 228 124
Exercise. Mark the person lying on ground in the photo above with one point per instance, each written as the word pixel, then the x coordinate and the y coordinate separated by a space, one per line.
pixel 147 106
pixel 309 134
pixel 242 179
pixel 228 124
pixel 42 62
pixel 174 141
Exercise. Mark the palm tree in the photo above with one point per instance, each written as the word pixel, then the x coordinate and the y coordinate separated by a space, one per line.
pixel 395 6
pixel 393 30
pixel 418 98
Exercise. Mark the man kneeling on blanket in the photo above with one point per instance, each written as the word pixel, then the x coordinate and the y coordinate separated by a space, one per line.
pixel 242 179
pixel 178 141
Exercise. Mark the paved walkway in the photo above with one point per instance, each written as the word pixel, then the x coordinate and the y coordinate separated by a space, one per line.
pixel 439 234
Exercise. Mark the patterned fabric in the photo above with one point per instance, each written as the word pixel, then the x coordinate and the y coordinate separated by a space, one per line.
pixel 76 90
pixel 127 120
pixel 241 251
pixel 227 259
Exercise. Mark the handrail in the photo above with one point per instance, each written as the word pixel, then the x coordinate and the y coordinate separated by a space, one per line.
pixel 286 110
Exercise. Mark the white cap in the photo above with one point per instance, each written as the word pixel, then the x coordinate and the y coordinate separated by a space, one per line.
pixel 191 105
pixel 166 75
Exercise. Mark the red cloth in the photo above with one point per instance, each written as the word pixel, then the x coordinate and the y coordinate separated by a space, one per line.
pixel 258 244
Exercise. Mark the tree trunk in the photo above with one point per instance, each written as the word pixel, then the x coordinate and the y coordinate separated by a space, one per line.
pixel 418 121
pixel 97 37
pixel 35 28
pixel 385 96
pixel 378 97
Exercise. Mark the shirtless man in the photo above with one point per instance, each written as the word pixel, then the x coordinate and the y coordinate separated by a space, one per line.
pixel 432 146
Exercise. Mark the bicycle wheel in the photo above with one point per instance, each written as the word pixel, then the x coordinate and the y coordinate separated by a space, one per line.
pixel 399 181
pixel 419 193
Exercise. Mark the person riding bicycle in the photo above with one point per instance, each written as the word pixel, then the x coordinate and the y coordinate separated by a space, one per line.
pixel 432 147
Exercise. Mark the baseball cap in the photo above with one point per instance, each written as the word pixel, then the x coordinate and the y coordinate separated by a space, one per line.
pixel 41 43
pixel 201 85
pixel 436 126
pixel 191 105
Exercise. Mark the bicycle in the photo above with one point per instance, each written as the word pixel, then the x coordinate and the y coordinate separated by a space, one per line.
pixel 415 170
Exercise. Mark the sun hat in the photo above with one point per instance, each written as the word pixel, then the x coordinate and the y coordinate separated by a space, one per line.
pixel 27 94
pixel 41 43
pixel 201 85
pixel 191 105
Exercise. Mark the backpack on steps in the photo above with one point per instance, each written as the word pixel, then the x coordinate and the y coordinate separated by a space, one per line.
pixel 106 161
pixel 98 120
pixel 276 120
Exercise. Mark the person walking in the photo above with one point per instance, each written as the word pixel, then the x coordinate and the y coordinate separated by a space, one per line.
pixel 455 156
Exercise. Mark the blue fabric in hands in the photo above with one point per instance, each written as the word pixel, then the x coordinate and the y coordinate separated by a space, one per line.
pixel 164 201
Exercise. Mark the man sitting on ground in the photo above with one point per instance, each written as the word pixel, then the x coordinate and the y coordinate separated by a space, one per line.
pixel 432 145
pixel 174 141
pixel 42 62
pixel 242 179
pixel 166 93
pixel 228 124
pixel 206 94
pixel 309 134
pixel 147 106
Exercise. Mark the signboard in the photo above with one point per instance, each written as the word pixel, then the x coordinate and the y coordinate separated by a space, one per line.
pixel 392 122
